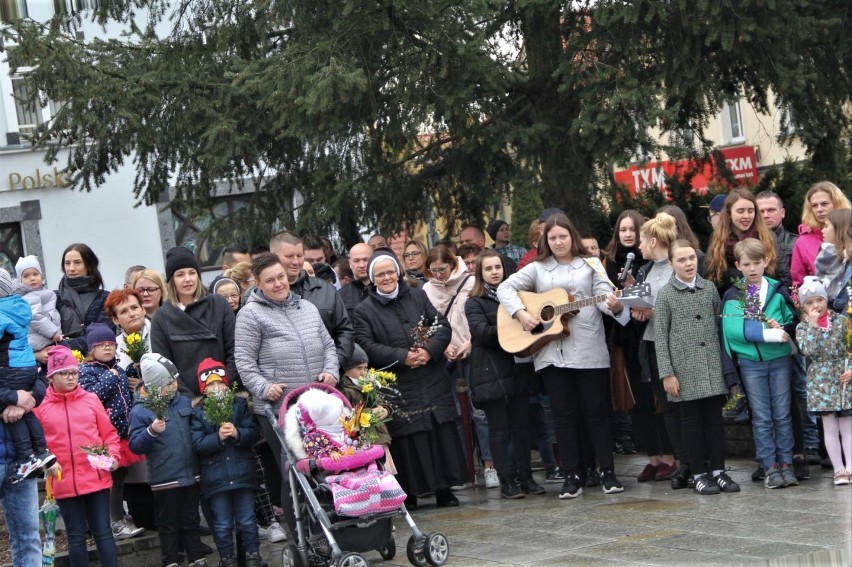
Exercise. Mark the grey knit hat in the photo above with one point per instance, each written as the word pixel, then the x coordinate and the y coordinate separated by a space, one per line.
pixel 5 283
pixel 157 370
pixel 358 357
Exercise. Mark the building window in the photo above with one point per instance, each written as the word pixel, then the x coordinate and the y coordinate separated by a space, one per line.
pixel 11 10
pixel 683 140
pixel 787 121
pixel 732 124
pixel 28 118
pixel 11 245
pixel 207 233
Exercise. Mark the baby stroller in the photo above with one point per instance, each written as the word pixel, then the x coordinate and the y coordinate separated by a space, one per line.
pixel 322 534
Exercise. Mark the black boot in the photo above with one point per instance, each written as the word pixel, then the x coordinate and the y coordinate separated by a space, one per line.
pixel 529 485
pixel 253 560
pixel 228 562
pixel 510 488
pixel 681 479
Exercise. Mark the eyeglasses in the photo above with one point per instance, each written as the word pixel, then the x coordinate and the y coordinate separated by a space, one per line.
pixel 438 271
pixel 105 346
pixel 232 296
pixel 384 275
pixel 147 290
pixel 711 216
pixel 67 374
pixel 414 254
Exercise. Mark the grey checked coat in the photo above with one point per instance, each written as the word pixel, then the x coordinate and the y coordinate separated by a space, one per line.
pixel 686 332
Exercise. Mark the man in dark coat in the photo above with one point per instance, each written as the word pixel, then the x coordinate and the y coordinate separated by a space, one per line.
pixel 289 248
pixel 359 288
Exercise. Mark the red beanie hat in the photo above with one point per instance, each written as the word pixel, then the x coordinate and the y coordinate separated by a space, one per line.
pixel 210 371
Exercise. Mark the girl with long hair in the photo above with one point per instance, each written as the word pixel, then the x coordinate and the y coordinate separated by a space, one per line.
pixel 739 219
pixel 575 369
pixel 497 384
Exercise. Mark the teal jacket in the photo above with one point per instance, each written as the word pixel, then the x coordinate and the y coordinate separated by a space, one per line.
pixel 778 305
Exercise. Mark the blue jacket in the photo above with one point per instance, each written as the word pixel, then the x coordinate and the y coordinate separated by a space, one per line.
pixel 171 460
pixel 15 317
pixel 229 465
pixel 113 391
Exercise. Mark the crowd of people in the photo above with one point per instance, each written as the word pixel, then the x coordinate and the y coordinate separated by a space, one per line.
pixel 110 392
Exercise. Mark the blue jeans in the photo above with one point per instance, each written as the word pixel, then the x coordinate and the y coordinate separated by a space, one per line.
pixel 810 430
pixel 88 511
pixel 20 507
pixel 768 387
pixel 234 507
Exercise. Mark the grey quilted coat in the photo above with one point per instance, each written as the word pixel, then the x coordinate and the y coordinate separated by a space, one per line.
pixel 281 343
pixel 686 332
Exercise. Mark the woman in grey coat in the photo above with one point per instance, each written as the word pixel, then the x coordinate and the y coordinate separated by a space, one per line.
pixel 575 369
pixel 281 343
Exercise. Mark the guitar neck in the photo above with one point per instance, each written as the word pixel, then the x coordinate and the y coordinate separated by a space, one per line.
pixel 580 303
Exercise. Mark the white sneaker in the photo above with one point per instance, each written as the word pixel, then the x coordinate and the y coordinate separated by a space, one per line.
pixel 276 533
pixel 123 529
pixel 262 532
pixel 462 486
pixel 491 478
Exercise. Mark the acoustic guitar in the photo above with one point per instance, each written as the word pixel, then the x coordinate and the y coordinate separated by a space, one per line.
pixel 554 309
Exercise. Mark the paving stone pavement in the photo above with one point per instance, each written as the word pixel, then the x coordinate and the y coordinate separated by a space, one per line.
pixel 647 524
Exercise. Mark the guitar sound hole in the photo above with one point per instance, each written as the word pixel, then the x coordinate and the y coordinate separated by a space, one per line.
pixel 547 313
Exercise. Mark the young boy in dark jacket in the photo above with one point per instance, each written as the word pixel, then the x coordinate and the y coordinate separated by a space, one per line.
pixel 19 373
pixel 228 479
pixel 173 471
pixel 758 319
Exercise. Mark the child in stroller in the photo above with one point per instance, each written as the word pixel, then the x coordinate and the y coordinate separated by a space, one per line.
pixel 341 497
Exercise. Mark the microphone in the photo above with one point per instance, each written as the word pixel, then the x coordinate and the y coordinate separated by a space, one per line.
pixel 627 265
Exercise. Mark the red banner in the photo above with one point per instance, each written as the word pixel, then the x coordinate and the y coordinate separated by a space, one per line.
pixel 740 160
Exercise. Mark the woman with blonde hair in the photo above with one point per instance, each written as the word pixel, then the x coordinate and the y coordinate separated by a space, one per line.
pixel 241 273
pixel 738 220
pixel 151 289
pixel 821 199
pixel 658 432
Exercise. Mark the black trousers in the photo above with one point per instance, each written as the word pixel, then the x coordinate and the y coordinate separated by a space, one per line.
pixel 574 392
pixel 27 436
pixel 177 523
pixel 653 429
pixel 508 426
pixel 703 433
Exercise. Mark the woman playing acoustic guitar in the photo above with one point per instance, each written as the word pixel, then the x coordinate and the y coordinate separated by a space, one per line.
pixel 574 368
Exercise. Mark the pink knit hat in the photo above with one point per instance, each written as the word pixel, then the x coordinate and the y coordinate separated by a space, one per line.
pixel 60 358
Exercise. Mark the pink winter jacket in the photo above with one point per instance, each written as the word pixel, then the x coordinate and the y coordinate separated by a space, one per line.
pixel 70 421
pixel 805 253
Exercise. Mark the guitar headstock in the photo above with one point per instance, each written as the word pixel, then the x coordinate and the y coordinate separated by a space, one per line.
pixel 637 290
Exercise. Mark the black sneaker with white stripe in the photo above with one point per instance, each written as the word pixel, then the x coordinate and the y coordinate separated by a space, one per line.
pixel 726 483
pixel 609 482
pixel 704 484
pixel 571 488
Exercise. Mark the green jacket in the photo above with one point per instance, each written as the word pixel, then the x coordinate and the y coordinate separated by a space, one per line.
pixel 778 306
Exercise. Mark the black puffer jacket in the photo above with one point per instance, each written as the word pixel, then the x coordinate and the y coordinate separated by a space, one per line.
pixel 331 308
pixel 383 328
pixel 493 372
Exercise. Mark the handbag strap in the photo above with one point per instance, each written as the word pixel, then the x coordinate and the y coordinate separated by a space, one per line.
pixel 453 300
